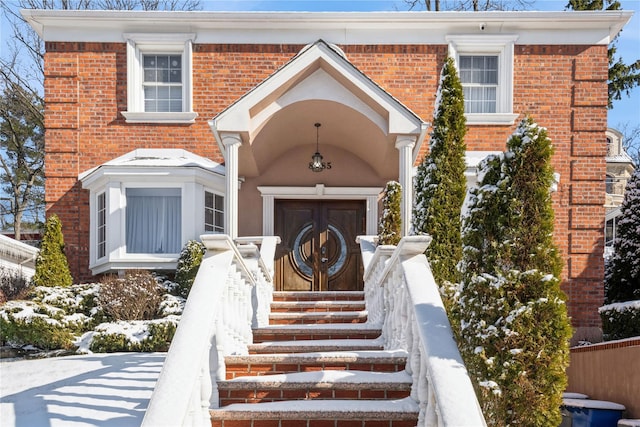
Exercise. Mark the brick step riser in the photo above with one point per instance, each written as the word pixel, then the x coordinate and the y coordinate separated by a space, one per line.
pixel 316 422
pixel 323 321
pixel 318 309
pixel 258 395
pixel 259 337
pixel 275 350
pixel 245 370
pixel 310 298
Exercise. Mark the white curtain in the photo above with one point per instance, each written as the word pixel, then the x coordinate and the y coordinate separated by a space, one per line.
pixel 153 220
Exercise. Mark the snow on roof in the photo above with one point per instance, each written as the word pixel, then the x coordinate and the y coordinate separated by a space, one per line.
pixel 158 157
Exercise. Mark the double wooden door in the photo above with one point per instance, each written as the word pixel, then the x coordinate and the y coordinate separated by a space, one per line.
pixel 318 251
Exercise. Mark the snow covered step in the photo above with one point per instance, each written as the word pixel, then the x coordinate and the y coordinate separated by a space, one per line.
pixel 315 306
pixel 266 364
pixel 367 413
pixel 315 385
pixel 316 317
pixel 319 296
pixel 315 332
pixel 305 346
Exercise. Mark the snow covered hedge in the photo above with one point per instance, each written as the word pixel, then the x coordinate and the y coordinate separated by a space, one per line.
pixel 620 320
pixel 72 318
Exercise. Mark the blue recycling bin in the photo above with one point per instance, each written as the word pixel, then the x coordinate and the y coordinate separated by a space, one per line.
pixel 591 413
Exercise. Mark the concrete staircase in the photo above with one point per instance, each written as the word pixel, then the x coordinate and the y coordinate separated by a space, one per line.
pixel 318 364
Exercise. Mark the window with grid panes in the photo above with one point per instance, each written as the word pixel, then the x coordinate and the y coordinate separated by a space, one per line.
pixel 479 78
pixel 213 213
pixel 162 82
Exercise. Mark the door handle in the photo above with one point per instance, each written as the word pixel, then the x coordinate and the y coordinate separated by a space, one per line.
pixel 323 259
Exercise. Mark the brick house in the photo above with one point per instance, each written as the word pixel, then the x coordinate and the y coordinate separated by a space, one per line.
pixel 162 126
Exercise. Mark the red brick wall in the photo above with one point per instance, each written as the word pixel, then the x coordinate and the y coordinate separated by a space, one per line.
pixel 562 87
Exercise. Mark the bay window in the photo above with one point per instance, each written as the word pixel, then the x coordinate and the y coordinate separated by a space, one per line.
pixel 146 205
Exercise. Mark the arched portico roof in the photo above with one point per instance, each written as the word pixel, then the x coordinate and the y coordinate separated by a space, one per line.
pixel 318 85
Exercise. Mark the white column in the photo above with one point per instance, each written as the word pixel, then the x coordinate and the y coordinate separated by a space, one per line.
pixel 405 144
pixel 231 142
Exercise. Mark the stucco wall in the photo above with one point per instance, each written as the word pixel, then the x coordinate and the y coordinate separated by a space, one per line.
pixel 608 371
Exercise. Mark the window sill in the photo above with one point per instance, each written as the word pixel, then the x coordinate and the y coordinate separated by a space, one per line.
pixel 160 118
pixel 491 119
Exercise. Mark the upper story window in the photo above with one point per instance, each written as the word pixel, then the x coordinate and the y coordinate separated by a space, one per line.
pixel 479 78
pixel 162 83
pixel 159 78
pixel 485 65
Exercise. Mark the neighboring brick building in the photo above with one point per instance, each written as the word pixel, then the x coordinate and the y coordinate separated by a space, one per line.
pixel 245 90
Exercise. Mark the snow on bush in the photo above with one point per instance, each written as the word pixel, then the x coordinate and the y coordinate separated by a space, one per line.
pixel 389 232
pixel 135 335
pixel 440 184
pixel 514 328
pixel 69 317
pixel 620 320
pixel 622 272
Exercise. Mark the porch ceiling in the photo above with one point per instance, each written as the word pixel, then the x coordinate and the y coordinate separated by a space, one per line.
pixel 342 127
pixel 319 85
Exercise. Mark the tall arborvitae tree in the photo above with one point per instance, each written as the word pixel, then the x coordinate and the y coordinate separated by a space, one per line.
pixel 514 326
pixel 52 268
pixel 389 232
pixel 440 184
pixel 622 77
pixel 622 274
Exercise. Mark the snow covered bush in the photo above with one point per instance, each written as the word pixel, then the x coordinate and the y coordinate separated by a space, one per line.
pixel 620 320
pixel 389 228
pixel 440 184
pixel 188 265
pixel 135 297
pixel 52 268
pixel 622 272
pixel 40 325
pixel 139 335
pixel 514 328
pixel 13 285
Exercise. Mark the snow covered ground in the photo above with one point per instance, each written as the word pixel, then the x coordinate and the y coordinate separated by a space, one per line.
pixel 106 390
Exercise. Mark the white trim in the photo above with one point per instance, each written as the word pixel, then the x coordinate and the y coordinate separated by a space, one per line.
pixel 319 192
pixel 535 27
pixel 501 46
pixel 137 45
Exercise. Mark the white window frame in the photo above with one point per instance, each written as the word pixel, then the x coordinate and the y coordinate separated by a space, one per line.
pixel 140 44
pixel 501 46
pixel 219 194
pixel 101 224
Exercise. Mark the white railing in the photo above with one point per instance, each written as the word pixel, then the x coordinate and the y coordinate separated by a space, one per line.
pixel 228 296
pixel 405 301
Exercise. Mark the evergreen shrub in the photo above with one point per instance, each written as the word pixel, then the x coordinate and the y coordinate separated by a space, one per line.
pixel 389 232
pixel 137 296
pixel 622 270
pixel 514 327
pixel 52 268
pixel 440 184
pixel 40 325
pixel 620 320
pixel 143 336
pixel 188 265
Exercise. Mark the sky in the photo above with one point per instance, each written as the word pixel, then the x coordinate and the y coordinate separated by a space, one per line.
pixel 626 111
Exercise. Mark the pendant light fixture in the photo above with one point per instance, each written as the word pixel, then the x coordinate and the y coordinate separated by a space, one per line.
pixel 316 164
